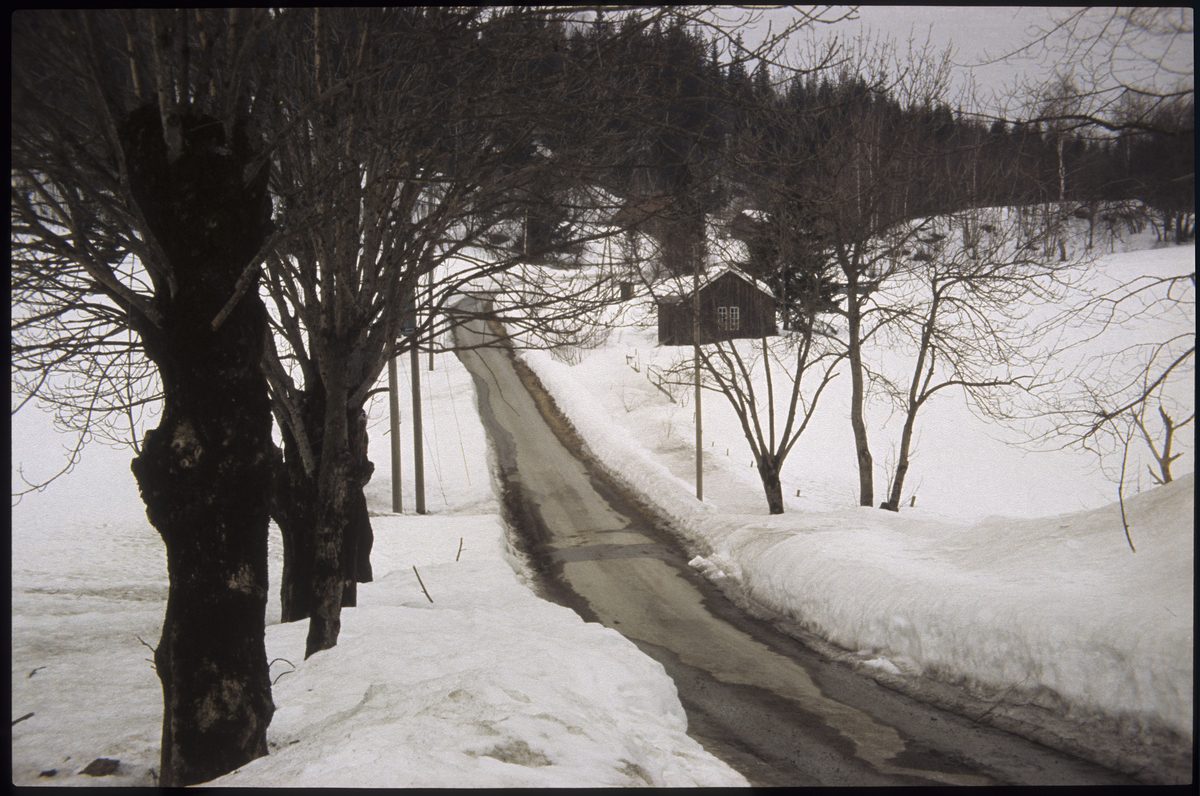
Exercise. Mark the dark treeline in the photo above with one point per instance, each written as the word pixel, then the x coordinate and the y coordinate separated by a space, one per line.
pixel 705 103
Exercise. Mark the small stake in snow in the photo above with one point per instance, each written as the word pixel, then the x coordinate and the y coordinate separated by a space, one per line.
pixel 460 544
pixel 418 574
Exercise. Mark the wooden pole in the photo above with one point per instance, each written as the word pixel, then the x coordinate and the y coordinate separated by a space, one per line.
pixel 418 459
pixel 431 321
pixel 394 416
pixel 696 354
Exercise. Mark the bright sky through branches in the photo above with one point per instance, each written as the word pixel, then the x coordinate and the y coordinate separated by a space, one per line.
pixel 981 37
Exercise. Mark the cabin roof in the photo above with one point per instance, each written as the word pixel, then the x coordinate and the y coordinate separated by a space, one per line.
pixel 713 275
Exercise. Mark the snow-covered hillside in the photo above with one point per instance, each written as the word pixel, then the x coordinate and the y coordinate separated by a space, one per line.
pixel 1011 573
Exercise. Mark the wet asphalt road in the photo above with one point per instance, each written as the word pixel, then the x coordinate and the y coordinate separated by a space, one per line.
pixel 761 701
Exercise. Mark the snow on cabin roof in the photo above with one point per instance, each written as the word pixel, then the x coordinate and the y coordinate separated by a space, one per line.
pixel 708 278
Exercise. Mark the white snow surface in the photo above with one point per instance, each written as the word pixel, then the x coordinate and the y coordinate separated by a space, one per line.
pixel 1013 572
pixel 486 686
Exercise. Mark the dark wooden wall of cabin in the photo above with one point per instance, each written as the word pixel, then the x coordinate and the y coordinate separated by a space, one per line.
pixel 756 310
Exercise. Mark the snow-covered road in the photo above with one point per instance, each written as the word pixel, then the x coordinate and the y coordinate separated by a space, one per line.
pixel 759 700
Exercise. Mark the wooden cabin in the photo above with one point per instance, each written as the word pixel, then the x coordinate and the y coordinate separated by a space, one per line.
pixel 732 305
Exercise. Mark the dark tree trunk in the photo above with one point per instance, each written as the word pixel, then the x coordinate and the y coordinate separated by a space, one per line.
pixel 771 486
pixel 360 538
pixel 204 473
pixel 1183 232
pixel 334 486
pixel 334 475
pixel 296 505
pixel 328 580
pixel 893 503
pixel 294 509
pixel 341 474
pixel 866 477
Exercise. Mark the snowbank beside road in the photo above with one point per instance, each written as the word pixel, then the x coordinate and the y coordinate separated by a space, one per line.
pixel 487 686
pixel 1057 603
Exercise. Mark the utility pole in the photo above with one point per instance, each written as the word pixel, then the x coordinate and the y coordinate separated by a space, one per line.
pixel 418 459
pixel 394 416
pixel 409 328
pixel 431 321
pixel 696 356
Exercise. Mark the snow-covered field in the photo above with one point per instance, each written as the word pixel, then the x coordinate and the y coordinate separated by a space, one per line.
pixel 1012 571
pixel 485 686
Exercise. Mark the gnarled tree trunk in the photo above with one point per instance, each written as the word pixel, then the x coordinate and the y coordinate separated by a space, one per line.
pixel 295 507
pixel 340 542
pixel 204 473
pixel 333 495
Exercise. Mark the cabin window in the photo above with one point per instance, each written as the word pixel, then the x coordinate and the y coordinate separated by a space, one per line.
pixel 735 320
pixel 722 318
pixel 729 318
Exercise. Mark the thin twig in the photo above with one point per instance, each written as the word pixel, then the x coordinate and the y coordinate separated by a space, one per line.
pixel 281 674
pixel 152 649
pixel 1121 496
pixel 418 574
pixel 460 548
pixel 1001 699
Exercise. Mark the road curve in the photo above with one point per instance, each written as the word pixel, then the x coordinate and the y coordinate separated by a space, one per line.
pixel 767 705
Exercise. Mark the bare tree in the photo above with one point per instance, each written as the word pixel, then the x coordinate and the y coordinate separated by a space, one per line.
pixel 1115 53
pixel 772 424
pixel 456 164
pixel 869 159
pixel 1134 75
pixel 1099 402
pixel 139 202
pixel 1163 458
pixel 961 309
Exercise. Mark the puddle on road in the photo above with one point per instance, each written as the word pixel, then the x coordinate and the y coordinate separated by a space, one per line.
pixel 589 538
pixel 607 552
pixel 646 599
